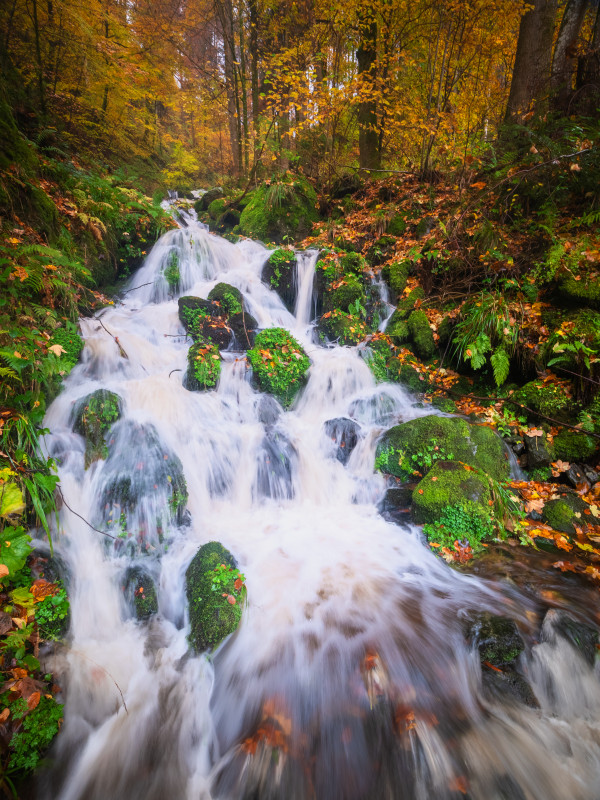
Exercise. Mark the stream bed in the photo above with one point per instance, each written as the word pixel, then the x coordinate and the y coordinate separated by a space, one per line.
pixel 350 677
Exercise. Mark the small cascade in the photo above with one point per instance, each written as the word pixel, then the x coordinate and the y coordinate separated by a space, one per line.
pixel 350 676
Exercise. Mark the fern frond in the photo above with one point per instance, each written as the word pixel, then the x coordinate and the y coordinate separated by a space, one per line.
pixel 501 366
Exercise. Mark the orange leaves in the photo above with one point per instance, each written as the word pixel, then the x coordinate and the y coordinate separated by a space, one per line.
pixel 42 588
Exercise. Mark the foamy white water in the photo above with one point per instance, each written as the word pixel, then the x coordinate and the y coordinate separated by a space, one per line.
pixel 330 582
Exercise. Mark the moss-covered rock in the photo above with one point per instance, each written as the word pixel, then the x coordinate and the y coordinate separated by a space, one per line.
pixel 228 297
pixel 584 292
pixel 446 330
pixel 244 327
pixel 444 404
pixel 352 263
pixel 343 294
pixel 207 198
pixel 396 275
pixel 336 326
pixel 564 513
pixel 406 306
pixel 279 273
pixel 206 320
pixel 549 399
pixel 216 208
pixel 397 225
pixel 279 364
pixel 399 332
pixel 409 374
pixel 216 594
pixel 204 366
pixel 570 445
pixel 497 639
pixel 540 453
pixel 380 250
pixel 140 591
pixel 421 334
pixel 449 484
pixel 190 306
pixel 93 417
pixel 416 445
pixel 280 210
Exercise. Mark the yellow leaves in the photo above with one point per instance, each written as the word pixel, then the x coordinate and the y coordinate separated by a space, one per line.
pixel 57 349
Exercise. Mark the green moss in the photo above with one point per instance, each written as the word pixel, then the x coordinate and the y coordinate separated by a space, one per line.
pixel 344 328
pixel 464 521
pixel 406 305
pixel 216 208
pixel 279 273
pixel 352 263
pixel 421 334
pixel 210 588
pixel 279 364
pixel 346 293
pixel 94 415
pixel 171 271
pixel 399 332
pixel 397 225
pixel 279 211
pixel 446 330
pixel 571 445
pixel 444 404
pixel 39 727
pixel 71 343
pixel 497 639
pixel 228 297
pixel 396 275
pixel 584 292
pixel 204 366
pixel 563 514
pixel 548 399
pixel 141 591
pixel 449 485
pixel 416 445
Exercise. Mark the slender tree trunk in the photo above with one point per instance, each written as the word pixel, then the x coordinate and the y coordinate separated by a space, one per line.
pixel 531 72
pixel 38 55
pixel 563 63
pixel 246 137
pixel 106 36
pixel 225 14
pixel 366 56
pixel 252 4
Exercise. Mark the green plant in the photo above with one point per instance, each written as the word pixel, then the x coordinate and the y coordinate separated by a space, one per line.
pixel 356 309
pixel 51 615
pixel 37 730
pixel 171 271
pixel 466 521
pixel 204 364
pixel 279 363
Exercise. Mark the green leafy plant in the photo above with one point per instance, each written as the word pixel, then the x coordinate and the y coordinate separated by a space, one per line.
pixel 171 271
pixel 204 364
pixel 279 363
pixel 51 615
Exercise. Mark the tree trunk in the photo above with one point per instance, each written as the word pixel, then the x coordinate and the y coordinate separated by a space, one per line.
pixel 563 63
pixel 225 14
pixel 38 55
pixel 531 72
pixel 366 56
pixel 253 44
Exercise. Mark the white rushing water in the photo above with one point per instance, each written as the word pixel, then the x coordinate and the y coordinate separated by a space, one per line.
pixel 349 676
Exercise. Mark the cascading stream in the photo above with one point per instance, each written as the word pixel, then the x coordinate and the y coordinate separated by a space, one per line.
pixel 350 658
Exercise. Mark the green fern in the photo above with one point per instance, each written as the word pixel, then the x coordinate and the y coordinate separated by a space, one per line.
pixel 501 366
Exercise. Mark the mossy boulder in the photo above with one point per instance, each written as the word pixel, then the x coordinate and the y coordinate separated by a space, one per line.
pixel 444 404
pixel 421 334
pixel 216 208
pixel 188 304
pixel 228 297
pixel 564 513
pixel 279 211
pixel 204 366
pixel 449 484
pixel 397 225
pixel 352 263
pixel 497 639
pixel 399 332
pixel 93 417
pixel 540 453
pixel 205 320
pixel 216 594
pixel 416 445
pixel 380 250
pixel 244 327
pixel 406 306
pixel 280 274
pixel 279 364
pixel 570 445
pixel 546 398
pixel 140 592
pixel 336 326
pixel 343 294
pixel 207 198
pixel 396 275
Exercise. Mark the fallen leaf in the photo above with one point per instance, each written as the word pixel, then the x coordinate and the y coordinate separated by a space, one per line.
pixel 57 349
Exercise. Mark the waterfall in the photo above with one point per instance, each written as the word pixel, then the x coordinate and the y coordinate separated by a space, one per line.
pixel 349 677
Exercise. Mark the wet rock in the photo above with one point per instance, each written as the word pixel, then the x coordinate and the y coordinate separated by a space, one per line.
pixel 280 274
pixel 144 488
pixel 93 417
pixel 497 639
pixel 276 461
pixel 140 591
pixel 396 503
pixel 345 329
pixel 191 307
pixel 516 444
pixel 591 475
pixel 215 600
pixel 583 638
pixel 244 328
pixel 539 453
pixel 344 434
pixel 269 410
pixel 207 198
pixel 570 445
pixel 421 334
pixel 204 366
pixel 507 684
pixel 419 443
pixel 228 297
pixel 346 293
pixel 575 475
pixel 446 485
pixel 566 512
pixel 279 364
